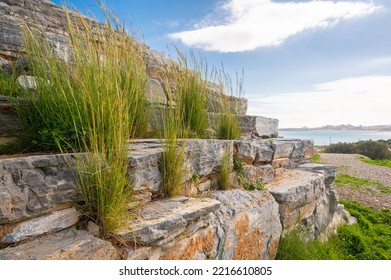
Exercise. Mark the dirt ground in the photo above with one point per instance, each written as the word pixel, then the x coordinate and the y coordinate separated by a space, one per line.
pixel 367 195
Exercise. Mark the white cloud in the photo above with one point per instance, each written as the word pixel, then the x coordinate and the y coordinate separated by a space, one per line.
pixel 263 23
pixel 359 101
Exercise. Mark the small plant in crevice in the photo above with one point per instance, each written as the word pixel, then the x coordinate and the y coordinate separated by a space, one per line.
pixel 251 186
pixel 195 178
pixel 225 175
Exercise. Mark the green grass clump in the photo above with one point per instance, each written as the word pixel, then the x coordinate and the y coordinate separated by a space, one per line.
pixel 225 179
pixel 191 94
pixel 9 85
pixel 227 125
pixel 343 180
pixel 316 158
pixel 369 239
pixel 379 162
pixel 172 160
pixel 227 121
pixel 94 104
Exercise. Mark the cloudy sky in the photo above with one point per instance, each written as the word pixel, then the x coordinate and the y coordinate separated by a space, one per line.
pixel 306 62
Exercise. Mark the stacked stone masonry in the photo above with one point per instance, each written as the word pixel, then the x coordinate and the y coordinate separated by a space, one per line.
pixel 38 194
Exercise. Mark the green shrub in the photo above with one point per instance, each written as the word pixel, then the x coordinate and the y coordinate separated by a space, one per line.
pixel 341 148
pixel 372 149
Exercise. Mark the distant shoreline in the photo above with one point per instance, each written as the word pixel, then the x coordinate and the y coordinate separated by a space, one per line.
pixel 342 128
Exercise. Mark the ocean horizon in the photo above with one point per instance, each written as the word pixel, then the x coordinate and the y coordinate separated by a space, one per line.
pixel 327 137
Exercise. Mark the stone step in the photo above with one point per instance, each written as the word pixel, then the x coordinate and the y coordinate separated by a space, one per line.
pixel 49 223
pixel 161 221
pixel 66 245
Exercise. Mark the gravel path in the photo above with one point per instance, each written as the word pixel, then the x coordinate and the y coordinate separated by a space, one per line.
pixel 351 165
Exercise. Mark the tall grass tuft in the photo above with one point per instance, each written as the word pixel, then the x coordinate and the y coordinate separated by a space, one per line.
pixel 172 159
pixel 225 179
pixel 189 75
pixel 227 121
pixel 9 85
pixel 94 104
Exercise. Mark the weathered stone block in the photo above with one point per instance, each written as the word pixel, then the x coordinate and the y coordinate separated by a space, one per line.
pixel 154 92
pixel 49 223
pixel 281 163
pixel 65 245
pixel 296 192
pixel 329 171
pixel 258 126
pixel 160 222
pixel 31 186
pixel 283 148
pixel 204 156
pixel 254 151
pixel 246 226
pixel 144 169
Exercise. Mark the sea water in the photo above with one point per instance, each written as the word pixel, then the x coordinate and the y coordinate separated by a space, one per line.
pixel 327 137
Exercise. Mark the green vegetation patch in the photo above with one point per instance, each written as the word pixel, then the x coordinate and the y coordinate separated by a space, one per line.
pixel 372 149
pixel 368 239
pixel 380 162
pixel 316 158
pixel 343 181
pixel 9 85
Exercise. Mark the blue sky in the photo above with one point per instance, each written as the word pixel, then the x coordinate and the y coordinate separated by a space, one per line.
pixel 306 62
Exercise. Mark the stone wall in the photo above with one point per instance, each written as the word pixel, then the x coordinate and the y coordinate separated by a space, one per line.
pixel 38 195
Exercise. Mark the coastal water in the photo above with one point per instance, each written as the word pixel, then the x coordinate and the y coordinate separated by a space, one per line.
pixel 327 137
